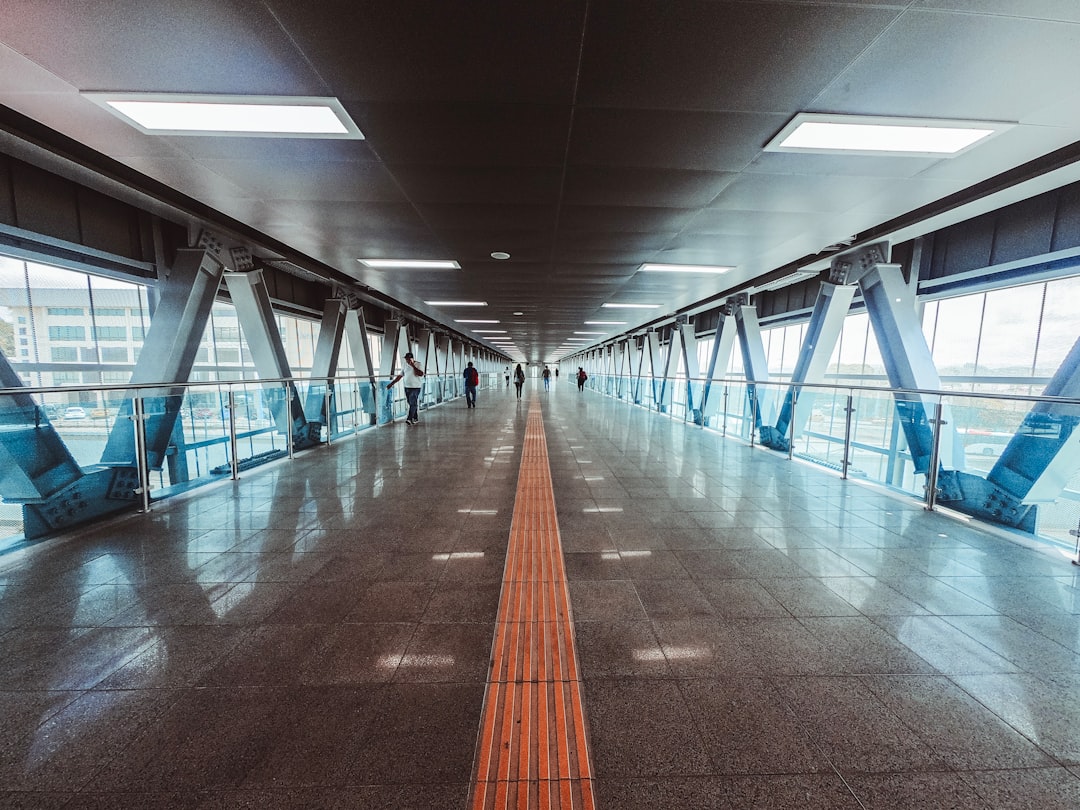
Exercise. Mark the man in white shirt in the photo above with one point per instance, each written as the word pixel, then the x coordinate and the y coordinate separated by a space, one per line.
pixel 413 376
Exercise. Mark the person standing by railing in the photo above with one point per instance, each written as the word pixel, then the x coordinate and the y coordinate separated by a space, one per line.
pixel 413 376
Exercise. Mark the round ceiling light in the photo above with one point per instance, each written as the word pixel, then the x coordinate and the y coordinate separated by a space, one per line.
pixel 519 313
pixel 500 254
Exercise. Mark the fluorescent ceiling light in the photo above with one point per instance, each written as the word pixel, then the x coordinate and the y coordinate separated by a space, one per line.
pixel 248 116
pixel 468 320
pixel 590 333
pixel 684 268
pixel 868 135
pixel 411 264
pixel 605 323
pixel 785 281
pixel 630 306
pixel 490 331
pixel 456 303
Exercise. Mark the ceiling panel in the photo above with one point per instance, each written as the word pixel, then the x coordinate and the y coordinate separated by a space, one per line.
pixel 711 55
pixel 311 180
pixel 194 46
pixel 670 139
pixel 466 134
pixel 582 143
pixel 524 185
pixel 412 50
pixel 630 186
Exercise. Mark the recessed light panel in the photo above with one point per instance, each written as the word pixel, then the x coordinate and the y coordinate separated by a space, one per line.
pixel 684 268
pixel 410 264
pixel 246 116
pixel 868 135
pixel 473 320
pixel 605 323
pixel 456 303
pixel 630 306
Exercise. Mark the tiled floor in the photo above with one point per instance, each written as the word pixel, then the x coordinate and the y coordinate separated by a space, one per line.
pixel 752 632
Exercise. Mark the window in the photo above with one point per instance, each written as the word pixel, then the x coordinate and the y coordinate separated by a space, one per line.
pixel 138 333
pixel 67 311
pixel 66 378
pixel 110 312
pixel 229 333
pixel 88 355
pixel 228 356
pixel 114 354
pixel 64 354
pixel 67 333
pixel 110 332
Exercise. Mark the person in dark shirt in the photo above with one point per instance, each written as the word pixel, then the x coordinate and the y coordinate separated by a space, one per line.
pixel 519 379
pixel 472 379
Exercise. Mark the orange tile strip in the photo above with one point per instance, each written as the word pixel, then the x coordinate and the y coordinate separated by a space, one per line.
pixel 533 750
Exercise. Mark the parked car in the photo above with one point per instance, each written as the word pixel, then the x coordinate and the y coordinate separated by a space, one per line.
pixel 98 413
pixel 74 413
pixel 984 449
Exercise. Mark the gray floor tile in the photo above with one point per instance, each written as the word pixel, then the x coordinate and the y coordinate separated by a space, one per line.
pixel 643 727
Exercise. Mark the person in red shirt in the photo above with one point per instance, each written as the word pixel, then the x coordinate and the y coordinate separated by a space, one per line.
pixel 472 379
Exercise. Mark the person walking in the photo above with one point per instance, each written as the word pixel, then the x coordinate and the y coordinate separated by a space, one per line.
pixel 413 375
pixel 581 378
pixel 508 376
pixel 472 379
pixel 547 378
pixel 519 379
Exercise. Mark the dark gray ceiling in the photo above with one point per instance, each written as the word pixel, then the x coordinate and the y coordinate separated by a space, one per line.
pixel 583 137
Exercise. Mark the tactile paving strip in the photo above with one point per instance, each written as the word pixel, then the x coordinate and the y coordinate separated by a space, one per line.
pixel 533 751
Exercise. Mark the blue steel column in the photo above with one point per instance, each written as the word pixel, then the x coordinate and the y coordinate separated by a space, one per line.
pixel 34 461
pixel 688 341
pixel 445 364
pixel 620 369
pixel 1039 460
pixel 637 368
pixel 42 476
pixel 822 333
pixel 356 331
pixel 652 353
pixel 395 344
pixel 167 355
pixel 669 363
pixel 320 404
pixel 712 396
pixel 256 315
pixel 891 306
pixel 757 368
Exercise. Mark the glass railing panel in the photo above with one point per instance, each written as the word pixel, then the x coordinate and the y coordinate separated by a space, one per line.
pixel 822 438
pixel 879 447
pixel 735 416
pixel 983 427
pixel 82 424
pixel 203 455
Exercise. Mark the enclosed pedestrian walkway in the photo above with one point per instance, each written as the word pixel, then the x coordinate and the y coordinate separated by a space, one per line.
pixel 728 629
